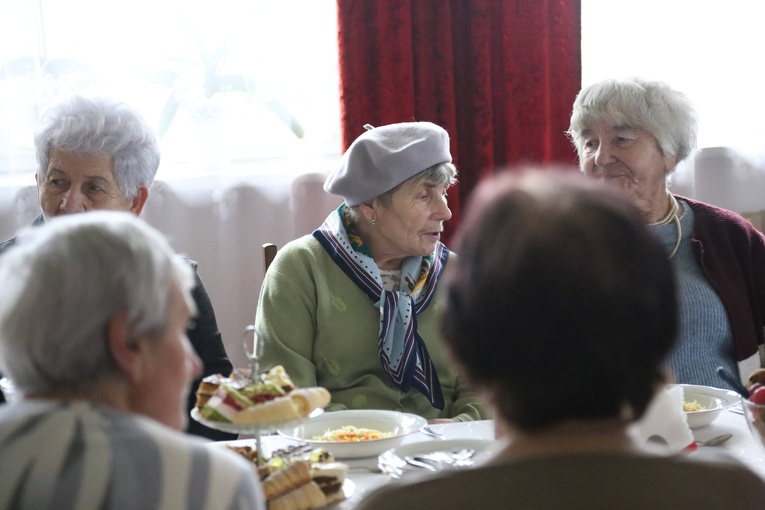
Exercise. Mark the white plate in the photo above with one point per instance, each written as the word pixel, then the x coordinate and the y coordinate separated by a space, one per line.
pixel 248 428
pixel 714 400
pixel 484 450
pixel 400 424
pixel 479 429
pixel 348 489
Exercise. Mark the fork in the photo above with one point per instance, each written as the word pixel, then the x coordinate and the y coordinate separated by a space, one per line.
pixel 391 465
pixel 435 460
pixel 457 457
pixel 432 433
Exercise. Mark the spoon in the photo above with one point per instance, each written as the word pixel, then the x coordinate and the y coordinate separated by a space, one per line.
pixel 715 441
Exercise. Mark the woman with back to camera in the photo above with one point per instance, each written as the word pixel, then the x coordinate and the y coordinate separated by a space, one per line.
pixel 632 134
pixel 93 326
pixel 561 309
pixel 354 307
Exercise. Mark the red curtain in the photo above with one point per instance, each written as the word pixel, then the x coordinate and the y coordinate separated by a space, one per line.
pixel 499 75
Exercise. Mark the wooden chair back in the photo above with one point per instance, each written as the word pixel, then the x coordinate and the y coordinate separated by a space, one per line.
pixel 269 252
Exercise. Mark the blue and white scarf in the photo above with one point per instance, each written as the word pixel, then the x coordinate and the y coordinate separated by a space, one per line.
pixel 402 350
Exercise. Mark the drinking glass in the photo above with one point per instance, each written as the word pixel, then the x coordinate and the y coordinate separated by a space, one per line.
pixel 755 419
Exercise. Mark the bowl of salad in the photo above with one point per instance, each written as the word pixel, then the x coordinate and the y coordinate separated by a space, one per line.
pixel 353 434
pixel 703 404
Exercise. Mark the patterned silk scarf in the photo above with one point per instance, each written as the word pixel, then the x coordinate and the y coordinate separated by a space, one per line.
pixel 402 350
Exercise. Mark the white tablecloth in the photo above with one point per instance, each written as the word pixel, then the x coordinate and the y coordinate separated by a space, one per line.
pixel 361 471
pixel 741 446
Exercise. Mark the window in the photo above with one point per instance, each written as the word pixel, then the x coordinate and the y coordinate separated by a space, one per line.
pixel 224 83
pixel 706 48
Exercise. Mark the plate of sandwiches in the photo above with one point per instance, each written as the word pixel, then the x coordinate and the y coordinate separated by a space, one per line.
pixel 300 477
pixel 241 405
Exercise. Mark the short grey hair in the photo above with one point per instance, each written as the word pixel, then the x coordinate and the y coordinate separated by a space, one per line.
pixel 100 126
pixel 62 284
pixel 654 106
pixel 440 173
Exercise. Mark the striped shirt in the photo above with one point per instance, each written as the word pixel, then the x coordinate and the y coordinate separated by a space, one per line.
pixel 78 455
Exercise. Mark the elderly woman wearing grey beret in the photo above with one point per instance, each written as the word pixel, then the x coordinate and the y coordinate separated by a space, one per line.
pixel 354 307
pixel 632 133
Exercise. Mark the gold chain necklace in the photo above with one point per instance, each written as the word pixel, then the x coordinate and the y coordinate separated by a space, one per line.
pixel 674 207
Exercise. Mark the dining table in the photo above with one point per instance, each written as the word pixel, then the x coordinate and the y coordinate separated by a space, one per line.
pixel 741 446
pixel 365 476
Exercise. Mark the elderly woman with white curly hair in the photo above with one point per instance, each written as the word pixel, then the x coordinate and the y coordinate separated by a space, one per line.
pixel 97 153
pixel 93 333
pixel 632 133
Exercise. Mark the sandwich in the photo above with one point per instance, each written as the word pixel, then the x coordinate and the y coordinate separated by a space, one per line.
pixel 274 410
pixel 209 387
pixel 308 399
pixel 330 477
pixel 287 479
pixel 305 497
pixel 303 484
pixel 229 400
pixel 272 398
pixel 296 479
pixel 278 376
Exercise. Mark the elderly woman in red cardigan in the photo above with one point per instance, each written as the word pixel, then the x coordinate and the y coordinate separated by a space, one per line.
pixel 633 133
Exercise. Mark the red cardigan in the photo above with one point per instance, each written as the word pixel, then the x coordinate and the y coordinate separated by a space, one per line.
pixel 731 253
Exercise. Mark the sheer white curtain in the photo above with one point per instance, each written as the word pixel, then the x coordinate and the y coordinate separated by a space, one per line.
pixel 709 50
pixel 240 81
pixel 243 92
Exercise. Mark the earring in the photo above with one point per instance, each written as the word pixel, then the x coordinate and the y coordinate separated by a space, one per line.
pixel 373 221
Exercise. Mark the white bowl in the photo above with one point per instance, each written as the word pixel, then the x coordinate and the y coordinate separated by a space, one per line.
pixel 400 424
pixel 713 400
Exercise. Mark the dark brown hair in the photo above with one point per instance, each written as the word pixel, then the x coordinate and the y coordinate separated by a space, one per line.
pixel 562 303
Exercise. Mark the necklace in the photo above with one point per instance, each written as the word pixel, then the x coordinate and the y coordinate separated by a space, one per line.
pixel 671 216
pixel 672 211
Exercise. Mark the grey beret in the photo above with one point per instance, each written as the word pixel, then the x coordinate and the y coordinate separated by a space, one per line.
pixel 384 157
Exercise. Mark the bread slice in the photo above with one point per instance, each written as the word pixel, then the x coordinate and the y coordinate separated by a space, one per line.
pixel 207 388
pixel 305 497
pixel 287 479
pixel 276 410
pixel 330 477
pixel 308 399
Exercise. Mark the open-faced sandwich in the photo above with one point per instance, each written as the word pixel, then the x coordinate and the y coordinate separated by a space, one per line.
pixel 296 479
pixel 272 397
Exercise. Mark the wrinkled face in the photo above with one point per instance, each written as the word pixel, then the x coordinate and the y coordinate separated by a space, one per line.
pixel 170 365
pixel 412 223
pixel 75 183
pixel 627 157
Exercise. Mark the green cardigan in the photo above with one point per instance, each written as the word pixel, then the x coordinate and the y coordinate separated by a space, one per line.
pixel 324 330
